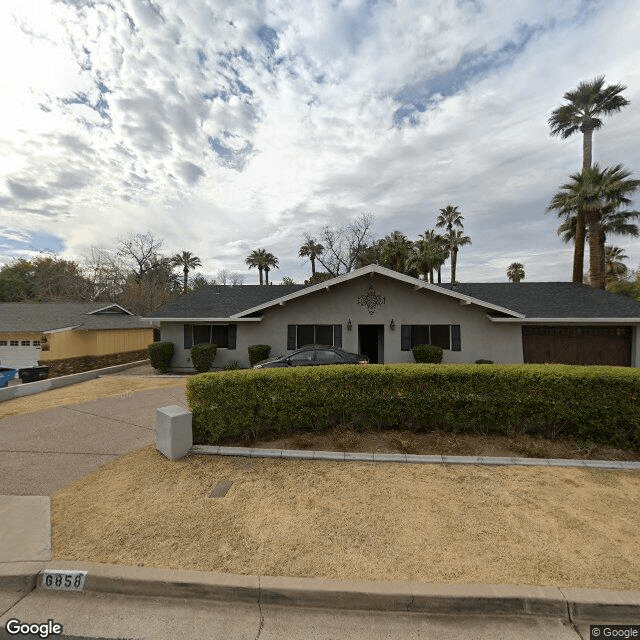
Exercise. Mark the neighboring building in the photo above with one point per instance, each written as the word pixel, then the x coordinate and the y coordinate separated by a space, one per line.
pixel 71 337
pixel 383 313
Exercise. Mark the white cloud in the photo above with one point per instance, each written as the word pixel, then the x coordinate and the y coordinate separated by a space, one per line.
pixel 227 126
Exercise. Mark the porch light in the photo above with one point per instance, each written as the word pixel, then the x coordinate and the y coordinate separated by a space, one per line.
pixel 349 325
pixel 392 325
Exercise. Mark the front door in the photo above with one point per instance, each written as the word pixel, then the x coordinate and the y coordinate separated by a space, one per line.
pixel 371 342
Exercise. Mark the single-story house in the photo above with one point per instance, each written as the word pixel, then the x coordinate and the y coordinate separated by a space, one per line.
pixel 71 337
pixel 383 314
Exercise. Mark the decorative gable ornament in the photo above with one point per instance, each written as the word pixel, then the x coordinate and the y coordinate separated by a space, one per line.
pixel 371 300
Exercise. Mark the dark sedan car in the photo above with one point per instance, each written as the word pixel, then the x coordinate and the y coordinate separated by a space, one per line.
pixel 313 355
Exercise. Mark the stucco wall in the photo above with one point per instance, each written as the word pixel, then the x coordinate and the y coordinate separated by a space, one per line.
pixel 74 344
pixel 479 337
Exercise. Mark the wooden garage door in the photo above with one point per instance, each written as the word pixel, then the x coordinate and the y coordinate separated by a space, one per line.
pixel 577 345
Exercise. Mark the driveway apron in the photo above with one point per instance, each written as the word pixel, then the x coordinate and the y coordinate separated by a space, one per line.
pixel 44 451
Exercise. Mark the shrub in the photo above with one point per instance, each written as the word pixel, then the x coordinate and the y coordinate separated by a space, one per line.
pixel 427 353
pixel 231 366
pixel 600 404
pixel 258 352
pixel 160 354
pixel 484 361
pixel 202 356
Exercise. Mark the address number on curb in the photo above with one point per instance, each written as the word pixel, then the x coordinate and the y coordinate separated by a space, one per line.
pixel 61 580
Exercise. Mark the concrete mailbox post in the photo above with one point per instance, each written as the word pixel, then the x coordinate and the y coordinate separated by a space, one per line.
pixel 174 437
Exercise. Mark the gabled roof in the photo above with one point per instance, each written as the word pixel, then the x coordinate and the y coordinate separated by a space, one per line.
pixel 54 316
pixel 503 301
pixel 549 300
pixel 369 270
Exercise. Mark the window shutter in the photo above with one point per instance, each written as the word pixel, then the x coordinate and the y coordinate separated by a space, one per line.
pixel 231 344
pixel 188 336
pixel 405 337
pixel 455 338
pixel 337 335
pixel 291 337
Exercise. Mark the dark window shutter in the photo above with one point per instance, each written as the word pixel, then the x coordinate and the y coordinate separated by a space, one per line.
pixel 232 336
pixel 188 336
pixel 405 337
pixel 291 337
pixel 455 338
pixel 337 335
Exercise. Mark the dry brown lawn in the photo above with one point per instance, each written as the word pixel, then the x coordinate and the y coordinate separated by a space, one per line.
pixel 83 392
pixel 428 523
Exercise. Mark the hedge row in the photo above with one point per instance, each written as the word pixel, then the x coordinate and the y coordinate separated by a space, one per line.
pixel 600 404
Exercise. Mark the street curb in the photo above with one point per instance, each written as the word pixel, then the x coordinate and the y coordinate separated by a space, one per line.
pixel 500 600
pixel 20 576
pixel 342 456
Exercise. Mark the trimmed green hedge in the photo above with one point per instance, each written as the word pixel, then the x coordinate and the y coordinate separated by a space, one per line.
pixel 202 356
pixel 600 404
pixel 160 354
pixel 427 353
pixel 258 353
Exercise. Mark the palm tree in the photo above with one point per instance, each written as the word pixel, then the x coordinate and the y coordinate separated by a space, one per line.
pixel 396 248
pixel 269 261
pixel 311 249
pixel 449 217
pixel 515 272
pixel 582 113
pixel 597 194
pixel 188 262
pixel 429 253
pixel 256 259
pixel 614 265
pixel 455 239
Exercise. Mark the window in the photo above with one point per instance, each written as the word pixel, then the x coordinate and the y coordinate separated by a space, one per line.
pixel 3 343
pixel 324 356
pixel 440 335
pixel 302 358
pixel 36 343
pixel 299 335
pixel 14 343
pixel 222 335
pixel 25 343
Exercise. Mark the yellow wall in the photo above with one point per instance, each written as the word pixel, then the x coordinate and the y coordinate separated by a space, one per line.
pixel 72 344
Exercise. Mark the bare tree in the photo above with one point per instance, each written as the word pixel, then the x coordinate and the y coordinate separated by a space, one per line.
pixel 221 277
pixel 343 244
pixel 236 278
pixel 141 252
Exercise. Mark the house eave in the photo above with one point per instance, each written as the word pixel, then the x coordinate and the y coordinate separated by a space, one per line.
pixel 230 319
pixel 629 321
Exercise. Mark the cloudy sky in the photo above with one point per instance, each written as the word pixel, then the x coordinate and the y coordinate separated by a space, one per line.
pixel 222 126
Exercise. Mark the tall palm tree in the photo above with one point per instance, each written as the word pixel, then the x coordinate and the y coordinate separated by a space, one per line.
pixel 515 272
pixel 256 259
pixel 455 239
pixel 396 248
pixel 188 262
pixel 269 261
pixel 449 217
pixel 585 105
pixel 614 265
pixel 311 249
pixel 598 194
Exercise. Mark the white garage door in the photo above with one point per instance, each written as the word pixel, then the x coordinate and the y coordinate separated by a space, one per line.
pixel 20 355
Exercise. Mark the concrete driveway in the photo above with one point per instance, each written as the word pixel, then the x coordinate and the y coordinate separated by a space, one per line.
pixel 44 451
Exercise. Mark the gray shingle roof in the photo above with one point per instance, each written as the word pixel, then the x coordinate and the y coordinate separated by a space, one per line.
pixel 222 301
pixel 48 316
pixel 552 299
